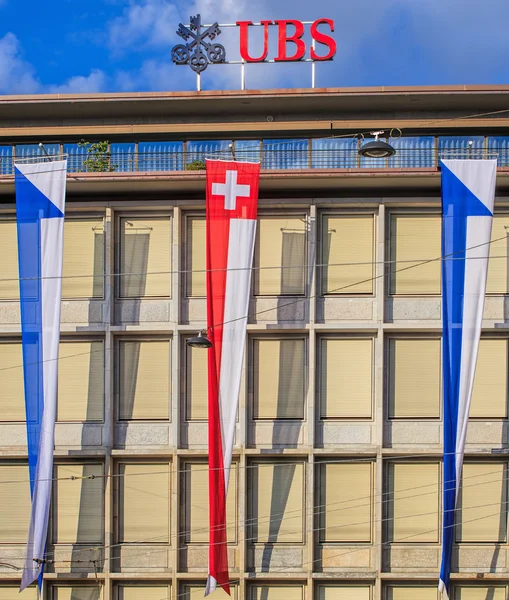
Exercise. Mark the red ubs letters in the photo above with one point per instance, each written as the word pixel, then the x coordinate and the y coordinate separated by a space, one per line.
pixel 284 36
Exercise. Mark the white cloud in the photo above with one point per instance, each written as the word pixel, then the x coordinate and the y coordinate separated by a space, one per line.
pixel 145 23
pixel 17 76
pixel 97 81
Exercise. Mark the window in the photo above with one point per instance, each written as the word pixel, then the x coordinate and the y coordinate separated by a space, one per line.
pixel 489 397
pixel 11 382
pixel 195 275
pixel 144 503
pixel 335 153
pixel 413 152
pixel 81 381
pixel 195 510
pixel 196 399
pixel 279 378
pixel 83 264
pixel 266 591
pixel 415 239
pixel 145 257
pixel 498 267
pixel 191 591
pixel 413 502
pixel 200 150
pixel 11 592
pixel 144 386
pixel 416 592
pixel 143 591
pixel 75 592
pixel 482 503
pixel 285 154
pixel 280 242
pixel 479 592
pixel 342 591
pixel 160 156
pixel 15 502
pixel 276 503
pixel 346 377
pixel 346 500
pixel 78 505
pixel 414 378
pixel 9 282
pixel 347 239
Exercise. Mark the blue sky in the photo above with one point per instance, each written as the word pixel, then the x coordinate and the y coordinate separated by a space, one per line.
pixel 124 45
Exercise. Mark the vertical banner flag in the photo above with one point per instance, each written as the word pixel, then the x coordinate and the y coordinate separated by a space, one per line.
pixel 468 194
pixel 40 199
pixel 232 203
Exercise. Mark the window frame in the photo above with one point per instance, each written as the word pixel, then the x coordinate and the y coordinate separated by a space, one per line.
pixel 346 213
pixel 117 237
pixel 118 340
pixel 251 385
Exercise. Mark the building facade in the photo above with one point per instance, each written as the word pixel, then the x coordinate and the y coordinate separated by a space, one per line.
pixel 335 492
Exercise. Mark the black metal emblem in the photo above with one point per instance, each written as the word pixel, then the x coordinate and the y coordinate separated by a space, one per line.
pixel 192 53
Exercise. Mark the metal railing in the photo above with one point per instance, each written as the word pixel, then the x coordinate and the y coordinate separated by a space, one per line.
pixel 297 156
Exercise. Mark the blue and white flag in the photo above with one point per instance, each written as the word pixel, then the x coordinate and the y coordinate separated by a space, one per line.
pixel 40 199
pixel 468 194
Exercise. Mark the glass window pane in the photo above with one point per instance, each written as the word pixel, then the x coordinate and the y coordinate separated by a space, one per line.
pixel 198 151
pixel 160 156
pixel 285 154
pixel 6 166
pixel 413 152
pixel 499 146
pixel 123 157
pixel 335 153
pixel 248 150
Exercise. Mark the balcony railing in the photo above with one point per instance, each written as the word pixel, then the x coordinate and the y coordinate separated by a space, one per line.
pixel 321 153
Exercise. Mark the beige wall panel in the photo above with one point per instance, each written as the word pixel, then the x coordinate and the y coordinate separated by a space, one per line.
pixel 11 383
pixel 279 378
pixel 415 239
pixel 78 505
pixel 478 592
pixel 416 592
pixel 346 378
pixel 145 257
pixel 11 592
pixel 276 592
pixel 343 592
pixel 9 286
pixel 83 264
pixel 196 263
pixel 143 592
pixel 489 397
pixel 483 503
pixel 413 508
pixel 280 241
pixel 76 592
pixel 196 509
pixel 81 381
pixel 414 378
pixel 145 378
pixel 499 251
pixel 277 503
pixel 16 504
pixel 347 239
pixel 196 384
pixel 144 507
pixel 347 493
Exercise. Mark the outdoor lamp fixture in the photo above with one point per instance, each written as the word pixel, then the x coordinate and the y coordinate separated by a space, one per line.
pixel 377 148
pixel 201 341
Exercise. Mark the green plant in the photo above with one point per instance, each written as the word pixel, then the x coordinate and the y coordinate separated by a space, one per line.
pixel 98 157
pixel 196 165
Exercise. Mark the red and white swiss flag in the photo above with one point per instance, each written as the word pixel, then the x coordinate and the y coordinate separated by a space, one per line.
pixel 232 204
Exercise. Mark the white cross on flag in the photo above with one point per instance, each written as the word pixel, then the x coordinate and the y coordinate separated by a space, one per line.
pixel 232 204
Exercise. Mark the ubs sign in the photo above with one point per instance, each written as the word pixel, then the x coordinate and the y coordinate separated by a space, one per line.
pixel 201 50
